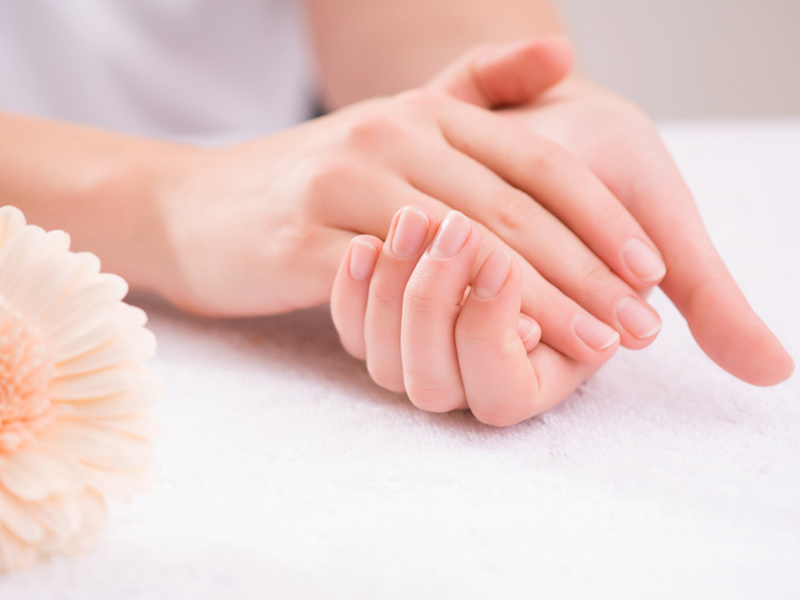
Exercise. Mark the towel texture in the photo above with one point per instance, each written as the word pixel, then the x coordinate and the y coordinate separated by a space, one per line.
pixel 285 473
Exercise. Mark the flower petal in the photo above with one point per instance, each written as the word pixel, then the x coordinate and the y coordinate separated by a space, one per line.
pixel 18 521
pixel 32 476
pixel 93 514
pixel 85 335
pixel 14 555
pixel 83 297
pixel 120 485
pixel 11 219
pixel 43 285
pixel 133 344
pixel 119 405
pixel 101 448
pixel 55 515
pixel 23 246
pixel 97 384
pixel 143 424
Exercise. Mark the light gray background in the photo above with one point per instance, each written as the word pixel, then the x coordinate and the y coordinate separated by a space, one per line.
pixel 693 58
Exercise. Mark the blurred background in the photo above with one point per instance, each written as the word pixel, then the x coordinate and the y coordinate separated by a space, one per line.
pixel 686 59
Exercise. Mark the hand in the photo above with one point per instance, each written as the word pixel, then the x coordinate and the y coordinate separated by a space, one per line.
pixel 622 147
pixel 406 306
pixel 620 144
pixel 260 228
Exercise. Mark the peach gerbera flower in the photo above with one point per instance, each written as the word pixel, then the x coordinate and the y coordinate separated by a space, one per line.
pixel 74 394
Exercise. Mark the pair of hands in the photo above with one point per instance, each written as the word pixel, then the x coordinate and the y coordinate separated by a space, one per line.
pixel 571 189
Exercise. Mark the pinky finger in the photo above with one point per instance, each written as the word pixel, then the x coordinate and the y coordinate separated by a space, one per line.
pixel 500 384
pixel 351 291
pixel 529 331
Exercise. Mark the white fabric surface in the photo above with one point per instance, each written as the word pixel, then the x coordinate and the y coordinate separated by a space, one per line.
pixel 284 473
pixel 200 70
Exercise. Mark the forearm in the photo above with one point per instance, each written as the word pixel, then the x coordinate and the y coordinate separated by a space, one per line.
pixel 368 48
pixel 101 187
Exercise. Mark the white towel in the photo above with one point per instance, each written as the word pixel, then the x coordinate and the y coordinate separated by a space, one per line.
pixel 285 473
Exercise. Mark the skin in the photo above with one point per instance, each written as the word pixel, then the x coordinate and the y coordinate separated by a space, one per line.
pixel 260 228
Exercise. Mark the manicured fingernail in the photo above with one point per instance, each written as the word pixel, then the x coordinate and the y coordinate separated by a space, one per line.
pixel 410 233
pixel 451 237
pixel 493 275
pixel 595 333
pixel 362 260
pixel 643 261
pixel 526 328
pixel 638 318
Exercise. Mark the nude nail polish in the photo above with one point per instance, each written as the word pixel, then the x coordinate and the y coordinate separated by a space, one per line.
pixel 451 237
pixel 637 318
pixel 493 275
pixel 596 334
pixel 410 233
pixel 362 260
pixel 643 261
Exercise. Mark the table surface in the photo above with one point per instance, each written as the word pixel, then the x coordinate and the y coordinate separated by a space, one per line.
pixel 285 473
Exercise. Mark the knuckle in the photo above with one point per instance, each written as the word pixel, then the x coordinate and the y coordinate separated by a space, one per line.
pixel 422 99
pixel 498 414
pixel 515 211
pixel 385 377
pixel 595 278
pixel 383 298
pixel 330 177
pixel 374 130
pixel 432 395
pixel 352 347
pixel 423 294
pixel 546 156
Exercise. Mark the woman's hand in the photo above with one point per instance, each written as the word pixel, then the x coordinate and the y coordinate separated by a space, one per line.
pixel 620 144
pixel 411 308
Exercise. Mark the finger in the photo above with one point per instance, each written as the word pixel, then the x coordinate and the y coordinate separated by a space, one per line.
pixel 697 282
pixel 529 331
pixel 409 234
pixel 351 291
pixel 509 74
pixel 431 305
pixel 499 383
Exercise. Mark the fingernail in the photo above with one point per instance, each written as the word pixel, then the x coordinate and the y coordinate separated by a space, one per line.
pixel 362 260
pixel 410 233
pixel 637 318
pixel 526 328
pixel 594 333
pixel 493 275
pixel 643 261
pixel 451 237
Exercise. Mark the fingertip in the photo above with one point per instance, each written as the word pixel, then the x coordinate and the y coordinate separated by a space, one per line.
pixel 363 257
pixel 492 275
pixel 601 339
pixel 644 262
pixel 734 337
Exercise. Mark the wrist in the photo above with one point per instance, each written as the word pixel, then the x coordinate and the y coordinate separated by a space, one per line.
pixel 130 197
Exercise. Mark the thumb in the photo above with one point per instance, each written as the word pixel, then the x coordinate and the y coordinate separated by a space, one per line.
pixel 505 75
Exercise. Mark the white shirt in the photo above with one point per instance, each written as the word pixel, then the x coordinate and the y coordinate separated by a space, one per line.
pixel 205 70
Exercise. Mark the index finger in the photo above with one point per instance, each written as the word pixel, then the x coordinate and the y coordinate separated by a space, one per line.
pixel 699 284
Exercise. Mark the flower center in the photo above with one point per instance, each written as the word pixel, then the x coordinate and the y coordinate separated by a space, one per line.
pixel 25 376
